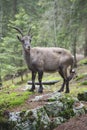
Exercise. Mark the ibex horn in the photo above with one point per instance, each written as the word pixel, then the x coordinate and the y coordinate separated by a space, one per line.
pixel 29 31
pixel 19 30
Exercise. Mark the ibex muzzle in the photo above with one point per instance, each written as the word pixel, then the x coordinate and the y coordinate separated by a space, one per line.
pixel 26 40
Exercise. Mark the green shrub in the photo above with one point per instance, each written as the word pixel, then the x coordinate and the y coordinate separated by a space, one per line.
pixel 83 62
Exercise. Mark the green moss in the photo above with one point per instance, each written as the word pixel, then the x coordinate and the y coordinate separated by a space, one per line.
pixel 19 99
pixel 81 76
pixel 30 113
pixel 51 100
pixel 30 116
pixel 13 99
pixel 4 123
pixel 68 101
pixel 67 113
pixel 22 113
pixel 82 96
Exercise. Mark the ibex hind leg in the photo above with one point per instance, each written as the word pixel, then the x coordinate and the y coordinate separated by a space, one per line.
pixel 67 86
pixel 40 75
pixel 64 81
pixel 72 73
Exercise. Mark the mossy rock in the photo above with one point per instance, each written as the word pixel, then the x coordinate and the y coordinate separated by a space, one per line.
pixel 67 101
pixel 56 121
pixel 5 124
pixel 55 97
pixel 42 120
pixel 53 108
pixel 82 96
pixel 67 113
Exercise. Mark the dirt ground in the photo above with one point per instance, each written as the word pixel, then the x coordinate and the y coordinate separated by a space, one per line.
pixel 30 104
pixel 76 123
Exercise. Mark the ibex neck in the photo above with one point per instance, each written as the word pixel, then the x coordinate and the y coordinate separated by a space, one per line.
pixel 27 57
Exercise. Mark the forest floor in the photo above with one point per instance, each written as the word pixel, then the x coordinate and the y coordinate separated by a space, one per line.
pixel 76 123
pixel 77 85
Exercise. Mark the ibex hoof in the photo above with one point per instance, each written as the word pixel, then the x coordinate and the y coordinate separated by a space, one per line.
pixel 31 90
pixel 60 90
pixel 66 91
pixel 40 90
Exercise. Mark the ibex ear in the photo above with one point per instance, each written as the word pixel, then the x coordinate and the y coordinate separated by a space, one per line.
pixel 19 38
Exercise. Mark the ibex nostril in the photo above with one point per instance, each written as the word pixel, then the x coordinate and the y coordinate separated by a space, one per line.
pixel 28 47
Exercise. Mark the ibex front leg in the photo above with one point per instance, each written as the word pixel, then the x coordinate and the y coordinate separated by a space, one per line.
pixel 33 81
pixel 40 75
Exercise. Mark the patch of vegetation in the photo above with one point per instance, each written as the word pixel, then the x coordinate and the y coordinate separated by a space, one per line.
pixel 3 121
pixel 12 99
pixel 82 96
pixel 77 89
pixel 68 102
pixel 83 62
pixel 67 113
pixel 81 76
pixel 19 99
pixel 5 124
pixel 83 83
pixel 52 76
pixel 10 96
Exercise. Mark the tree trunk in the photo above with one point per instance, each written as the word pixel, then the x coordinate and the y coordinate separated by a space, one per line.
pixel 55 23
pixel 85 45
pixel 14 7
pixel 1 22
pixel 74 52
pixel 12 80
pixel 26 75
pixel 0 81
pixel 45 82
pixel 22 77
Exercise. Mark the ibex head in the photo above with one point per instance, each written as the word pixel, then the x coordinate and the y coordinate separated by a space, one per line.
pixel 25 40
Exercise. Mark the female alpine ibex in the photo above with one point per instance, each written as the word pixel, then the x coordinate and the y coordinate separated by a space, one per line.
pixel 46 59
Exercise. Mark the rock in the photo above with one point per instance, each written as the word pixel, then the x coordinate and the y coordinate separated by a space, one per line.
pixel 53 108
pixel 78 108
pixel 42 119
pixel 55 96
pixel 56 121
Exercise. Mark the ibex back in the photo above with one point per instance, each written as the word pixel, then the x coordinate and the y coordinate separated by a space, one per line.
pixel 43 59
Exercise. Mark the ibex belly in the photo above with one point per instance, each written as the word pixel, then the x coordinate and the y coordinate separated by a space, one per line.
pixel 51 64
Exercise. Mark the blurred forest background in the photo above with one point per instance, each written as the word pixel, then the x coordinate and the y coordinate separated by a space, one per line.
pixel 59 23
